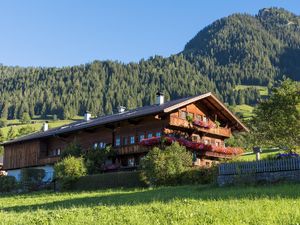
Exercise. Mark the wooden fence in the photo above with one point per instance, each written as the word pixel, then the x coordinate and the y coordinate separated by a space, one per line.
pixel 259 166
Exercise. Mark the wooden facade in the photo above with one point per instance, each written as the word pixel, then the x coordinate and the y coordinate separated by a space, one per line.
pixel 124 136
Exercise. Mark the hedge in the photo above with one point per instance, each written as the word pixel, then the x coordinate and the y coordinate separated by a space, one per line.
pixel 127 179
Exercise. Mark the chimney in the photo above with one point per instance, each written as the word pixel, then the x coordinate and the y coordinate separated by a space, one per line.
pixel 121 109
pixel 87 116
pixel 160 99
pixel 45 126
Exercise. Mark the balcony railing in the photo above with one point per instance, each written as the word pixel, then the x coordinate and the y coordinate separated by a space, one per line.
pixel 179 122
pixel 129 149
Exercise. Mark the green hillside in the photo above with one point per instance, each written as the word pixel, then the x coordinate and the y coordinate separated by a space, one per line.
pixel 226 57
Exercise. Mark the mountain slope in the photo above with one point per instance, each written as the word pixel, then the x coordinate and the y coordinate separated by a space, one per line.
pixel 237 50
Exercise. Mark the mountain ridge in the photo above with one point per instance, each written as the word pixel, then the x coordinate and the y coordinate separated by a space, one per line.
pixel 234 50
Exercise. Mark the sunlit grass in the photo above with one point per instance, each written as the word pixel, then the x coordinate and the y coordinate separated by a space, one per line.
pixel 277 204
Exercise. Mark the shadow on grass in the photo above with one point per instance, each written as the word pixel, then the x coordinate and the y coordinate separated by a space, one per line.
pixel 165 195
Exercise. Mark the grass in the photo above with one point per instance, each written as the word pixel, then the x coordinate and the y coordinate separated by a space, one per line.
pixel 277 204
pixel 265 154
pixel 36 125
pixel 245 110
pixel 263 90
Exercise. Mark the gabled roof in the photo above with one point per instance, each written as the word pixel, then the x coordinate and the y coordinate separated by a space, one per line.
pixel 134 113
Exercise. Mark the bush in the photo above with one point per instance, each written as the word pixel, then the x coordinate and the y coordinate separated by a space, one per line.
pixel 95 159
pixel 200 175
pixel 31 178
pixel 128 179
pixel 73 149
pixel 164 167
pixel 69 170
pixel 7 184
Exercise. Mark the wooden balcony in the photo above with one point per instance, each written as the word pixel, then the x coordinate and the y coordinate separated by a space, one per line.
pixel 178 122
pixel 48 160
pixel 131 149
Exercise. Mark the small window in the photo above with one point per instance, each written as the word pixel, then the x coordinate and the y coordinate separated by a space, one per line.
pixel 205 119
pixel 58 151
pixel 205 141
pixel 125 140
pixel 118 141
pixel 149 135
pixel 102 145
pixel 141 137
pixel 132 140
pixel 130 162
pixel 95 145
pixel 158 134
pixel 182 114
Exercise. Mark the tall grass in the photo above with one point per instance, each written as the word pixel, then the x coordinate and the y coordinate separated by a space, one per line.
pixel 277 204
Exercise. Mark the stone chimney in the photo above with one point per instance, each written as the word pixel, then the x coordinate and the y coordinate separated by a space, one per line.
pixel 160 99
pixel 87 116
pixel 45 126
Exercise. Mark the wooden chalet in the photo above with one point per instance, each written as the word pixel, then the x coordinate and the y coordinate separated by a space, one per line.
pixel 201 123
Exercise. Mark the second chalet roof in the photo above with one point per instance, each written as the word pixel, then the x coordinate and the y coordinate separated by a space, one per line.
pixel 134 113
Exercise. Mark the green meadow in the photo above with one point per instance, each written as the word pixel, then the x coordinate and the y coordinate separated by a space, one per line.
pixel 276 204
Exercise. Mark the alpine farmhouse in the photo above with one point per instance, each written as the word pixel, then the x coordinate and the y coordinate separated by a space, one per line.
pixel 201 123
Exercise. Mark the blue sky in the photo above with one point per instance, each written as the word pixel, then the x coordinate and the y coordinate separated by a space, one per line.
pixel 72 32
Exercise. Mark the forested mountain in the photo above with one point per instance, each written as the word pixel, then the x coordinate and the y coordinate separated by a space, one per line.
pixel 239 49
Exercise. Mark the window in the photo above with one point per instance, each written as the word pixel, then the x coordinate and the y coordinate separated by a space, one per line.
pixel 118 141
pixel 141 137
pixel 132 140
pixel 198 117
pixel 101 145
pixel 130 162
pixel 95 145
pixel 58 151
pixel 149 135
pixel 158 134
pixel 125 141
pixel 205 141
pixel 205 119
pixel 54 152
pixel 182 114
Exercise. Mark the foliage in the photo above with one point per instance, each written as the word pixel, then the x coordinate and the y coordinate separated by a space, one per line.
pixel 277 120
pixel 31 178
pixel 200 175
pixel 237 50
pixel 164 167
pixel 109 180
pixel 7 184
pixel 11 133
pixel 25 130
pixel 25 118
pixel 68 170
pixel 72 149
pixel 95 159
pixel 199 204
pixel 3 123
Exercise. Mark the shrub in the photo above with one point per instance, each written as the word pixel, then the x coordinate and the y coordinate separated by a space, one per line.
pixel 69 170
pixel 73 149
pixel 164 167
pixel 200 175
pixel 95 159
pixel 7 184
pixel 32 178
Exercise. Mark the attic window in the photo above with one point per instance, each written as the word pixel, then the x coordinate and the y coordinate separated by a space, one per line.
pixel 182 114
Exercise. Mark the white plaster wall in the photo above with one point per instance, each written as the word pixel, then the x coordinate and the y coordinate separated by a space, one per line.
pixel 49 171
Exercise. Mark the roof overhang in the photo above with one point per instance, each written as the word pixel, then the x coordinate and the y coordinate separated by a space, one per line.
pixel 215 104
